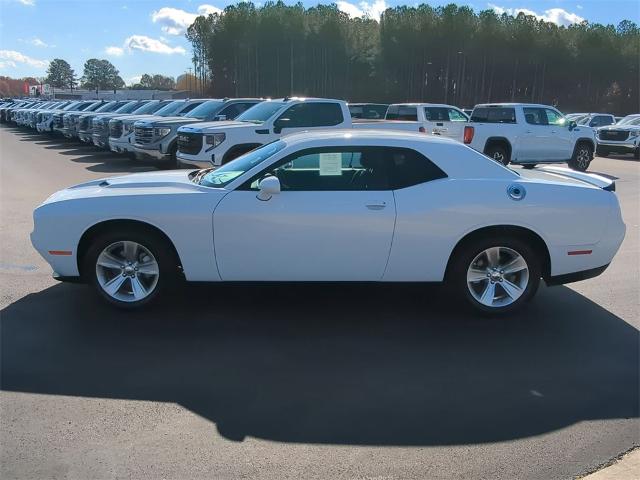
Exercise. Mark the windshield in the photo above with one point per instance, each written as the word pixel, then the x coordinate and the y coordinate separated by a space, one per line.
pixel 149 108
pixel 128 107
pixel 628 119
pixel 171 108
pixel 261 112
pixel 206 110
pixel 230 171
pixel 71 106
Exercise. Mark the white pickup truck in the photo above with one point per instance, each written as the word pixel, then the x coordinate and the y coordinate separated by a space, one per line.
pixel 529 134
pixel 209 144
pixel 433 118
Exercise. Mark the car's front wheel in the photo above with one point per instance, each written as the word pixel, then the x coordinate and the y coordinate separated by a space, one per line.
pixel 129 269
pixel 495 275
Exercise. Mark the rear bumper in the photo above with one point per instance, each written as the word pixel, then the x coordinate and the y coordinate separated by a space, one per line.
pixel 575 276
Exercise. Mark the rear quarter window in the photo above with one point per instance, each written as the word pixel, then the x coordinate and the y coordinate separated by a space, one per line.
pixel 402 112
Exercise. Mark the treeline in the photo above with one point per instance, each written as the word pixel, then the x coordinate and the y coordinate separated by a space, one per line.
pixel 437 54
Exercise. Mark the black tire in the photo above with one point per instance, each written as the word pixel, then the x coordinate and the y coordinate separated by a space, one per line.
pixel 529 166
pixel 172 163
pixel 498 153
pixel 582 156
pixel 465 255
pixel 154 243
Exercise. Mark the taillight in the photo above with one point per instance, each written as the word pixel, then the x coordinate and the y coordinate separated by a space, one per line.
pixel 422 130
pixel 468 134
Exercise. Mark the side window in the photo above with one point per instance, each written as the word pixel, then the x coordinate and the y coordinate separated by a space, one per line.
pixel 230 112
pixel 408 168
pixel 402 112
pixel 325 114
pixel 436 114
pixel 494 115
pixel 295 116
pixel 330 169
pixel 457 116
pixel 554 118
pixel 535 116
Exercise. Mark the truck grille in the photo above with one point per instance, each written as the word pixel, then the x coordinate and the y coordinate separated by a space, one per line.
pixel 57 121
pixel 115 129
pixel 144 134
pixel 98 127
pixel 83 124
pixel 615 135
pixel 190 143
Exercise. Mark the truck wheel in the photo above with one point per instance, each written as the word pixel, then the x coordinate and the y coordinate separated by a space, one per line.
pixel 498 153
pixel 172 163
pixel 582 157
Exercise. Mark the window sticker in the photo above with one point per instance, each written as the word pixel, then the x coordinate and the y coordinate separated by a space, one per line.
pixel 330 164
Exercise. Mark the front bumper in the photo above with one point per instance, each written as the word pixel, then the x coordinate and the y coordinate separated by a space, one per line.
pixel 100 140
pixel 627 146
pixel 120 146
pixel 187 161
pixel 149 155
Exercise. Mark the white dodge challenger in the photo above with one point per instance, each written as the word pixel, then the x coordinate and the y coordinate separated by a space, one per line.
pixel 365 206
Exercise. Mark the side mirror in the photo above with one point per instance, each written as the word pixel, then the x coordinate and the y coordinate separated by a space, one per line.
pixel 279 124
pixel 269 186
pixel 572 125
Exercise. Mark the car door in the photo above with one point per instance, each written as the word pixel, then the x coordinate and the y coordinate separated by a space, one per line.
pixel 561 140
pixel 333 220
pixel 532 143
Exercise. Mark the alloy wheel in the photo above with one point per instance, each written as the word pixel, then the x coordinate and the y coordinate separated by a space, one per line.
pixel 127 271
pixel 497 277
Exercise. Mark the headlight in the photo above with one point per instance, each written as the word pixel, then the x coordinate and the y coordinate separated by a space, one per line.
pixel 128 127
pixel 634 134
pixel 161 132
pixel 215 139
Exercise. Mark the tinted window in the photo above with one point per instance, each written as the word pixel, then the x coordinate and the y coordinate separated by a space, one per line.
pixel 372 111
pixel 310 115
pixel 535 116
pixel 351 168
pixel 436 114
pixel 408 168
pixel 261 112
pixel 601 120
pixel 402 112
pixel 232 111
pixel 494 115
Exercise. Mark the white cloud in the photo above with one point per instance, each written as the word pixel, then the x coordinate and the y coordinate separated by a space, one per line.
pixel 175 21
pixel 7 64
pixel 363 9
pixel 134 79
pixel 114 51
pixel 147 44
pixel 35 41
pixel 11 58
pixel 579 7
pixel 29 3
pixel 558 16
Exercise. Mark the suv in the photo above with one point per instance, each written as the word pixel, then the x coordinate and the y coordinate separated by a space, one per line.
pixel 620 138
pixel 528 134
pixel 596 120
pixel 157 140
pixel 121 129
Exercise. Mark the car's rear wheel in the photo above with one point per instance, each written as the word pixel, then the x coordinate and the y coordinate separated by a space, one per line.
pixel 129 269
pixel 582 157
pixel 498 153
pixel 496 275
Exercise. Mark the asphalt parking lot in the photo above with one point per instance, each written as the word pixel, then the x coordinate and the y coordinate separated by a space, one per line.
pixel 332 381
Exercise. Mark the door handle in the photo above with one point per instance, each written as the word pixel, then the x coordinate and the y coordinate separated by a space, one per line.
pixel 376 206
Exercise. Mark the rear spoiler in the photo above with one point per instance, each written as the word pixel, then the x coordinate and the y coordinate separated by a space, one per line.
pixel 590 178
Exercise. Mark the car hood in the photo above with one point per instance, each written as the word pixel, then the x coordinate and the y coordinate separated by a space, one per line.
pixel 146 183
pixel 167 121
pixel 209 127
pixel 618 128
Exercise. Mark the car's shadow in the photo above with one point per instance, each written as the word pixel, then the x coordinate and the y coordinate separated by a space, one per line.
pixel 333 363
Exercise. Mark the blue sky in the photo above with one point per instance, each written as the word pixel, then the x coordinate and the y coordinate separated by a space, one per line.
pixel 147 36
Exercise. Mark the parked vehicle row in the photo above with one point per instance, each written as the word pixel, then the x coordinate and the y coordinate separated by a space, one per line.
pixel 202 133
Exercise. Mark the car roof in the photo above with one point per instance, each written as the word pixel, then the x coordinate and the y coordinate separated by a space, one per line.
pixel 418 104
pixel 514 104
